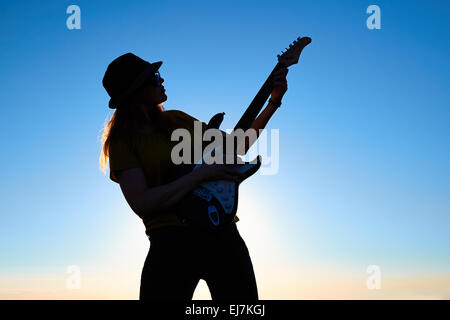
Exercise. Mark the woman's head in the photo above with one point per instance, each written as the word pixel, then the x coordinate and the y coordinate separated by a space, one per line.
pixel 137 94
pixel 125 78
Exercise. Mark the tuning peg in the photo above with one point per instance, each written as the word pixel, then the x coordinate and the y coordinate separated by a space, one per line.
pixel 290 46
pixel 298 38
pixel 278 55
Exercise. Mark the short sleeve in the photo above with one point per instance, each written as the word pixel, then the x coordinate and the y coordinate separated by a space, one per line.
pixel 121 157
pixel 186 118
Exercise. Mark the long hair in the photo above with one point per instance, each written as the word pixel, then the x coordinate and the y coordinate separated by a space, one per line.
pixel 127 121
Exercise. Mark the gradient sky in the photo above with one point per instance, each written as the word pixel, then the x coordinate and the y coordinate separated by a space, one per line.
pixel 364 175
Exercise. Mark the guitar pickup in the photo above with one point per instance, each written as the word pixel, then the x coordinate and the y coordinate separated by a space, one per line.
pixel 203 193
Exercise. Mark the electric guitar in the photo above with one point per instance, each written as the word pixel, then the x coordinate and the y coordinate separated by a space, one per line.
pixel 213 204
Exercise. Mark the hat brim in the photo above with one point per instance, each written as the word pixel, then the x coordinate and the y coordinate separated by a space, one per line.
pixel 140 80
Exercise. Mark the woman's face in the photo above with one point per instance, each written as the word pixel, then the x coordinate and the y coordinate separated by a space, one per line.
pixel 153 95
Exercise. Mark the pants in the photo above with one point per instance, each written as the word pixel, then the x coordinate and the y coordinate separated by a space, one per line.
pixel 180 256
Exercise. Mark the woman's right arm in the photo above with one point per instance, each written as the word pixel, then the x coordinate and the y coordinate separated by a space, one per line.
pixel 146 201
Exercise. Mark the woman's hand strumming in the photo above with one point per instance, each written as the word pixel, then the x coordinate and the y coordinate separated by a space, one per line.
pixel 212 172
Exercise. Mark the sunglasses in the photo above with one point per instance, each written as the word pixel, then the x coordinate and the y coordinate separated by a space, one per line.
pixel 154 80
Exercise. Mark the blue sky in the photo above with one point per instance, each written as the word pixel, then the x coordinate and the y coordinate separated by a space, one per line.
pixel 364 139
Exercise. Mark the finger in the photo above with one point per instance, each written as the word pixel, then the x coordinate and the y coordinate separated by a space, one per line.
pixel 280 80
pixel 280 73
pixel 284 71
pixel 279 77
pixel 280 84
pixel 284 80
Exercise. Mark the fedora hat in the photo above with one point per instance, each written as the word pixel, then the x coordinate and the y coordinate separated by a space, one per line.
pixel 125 75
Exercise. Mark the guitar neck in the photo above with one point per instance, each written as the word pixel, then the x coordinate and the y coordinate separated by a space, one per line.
pixel 257 104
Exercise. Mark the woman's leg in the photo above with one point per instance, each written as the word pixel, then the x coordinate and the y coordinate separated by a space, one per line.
pixel 169 272
pixel 230 274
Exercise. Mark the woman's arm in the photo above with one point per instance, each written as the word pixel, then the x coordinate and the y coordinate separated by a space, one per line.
pixel 145 201
pixel 278 90
pixel 259 124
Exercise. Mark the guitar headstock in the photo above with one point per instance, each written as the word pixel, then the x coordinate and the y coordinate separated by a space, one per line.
pixel 291 55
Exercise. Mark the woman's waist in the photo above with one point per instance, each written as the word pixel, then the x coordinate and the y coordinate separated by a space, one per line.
pixel 171 222
pixel 189 232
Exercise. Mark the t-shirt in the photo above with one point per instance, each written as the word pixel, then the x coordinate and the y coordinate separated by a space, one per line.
pixel 152 153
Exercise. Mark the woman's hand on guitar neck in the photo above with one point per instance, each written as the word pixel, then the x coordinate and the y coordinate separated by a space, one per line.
pixel 279 85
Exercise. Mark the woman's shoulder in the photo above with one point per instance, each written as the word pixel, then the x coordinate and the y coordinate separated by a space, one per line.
pixel 180 114
pixel 181 119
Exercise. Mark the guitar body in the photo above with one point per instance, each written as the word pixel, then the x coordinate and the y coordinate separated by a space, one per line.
pixel 213 205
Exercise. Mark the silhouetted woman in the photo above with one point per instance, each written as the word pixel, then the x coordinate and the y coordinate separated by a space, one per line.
pixel 137 143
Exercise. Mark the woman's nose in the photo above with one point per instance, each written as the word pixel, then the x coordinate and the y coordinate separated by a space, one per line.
pixel 162 80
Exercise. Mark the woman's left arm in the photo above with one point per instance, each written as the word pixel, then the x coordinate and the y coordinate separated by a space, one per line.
pixel 279 88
